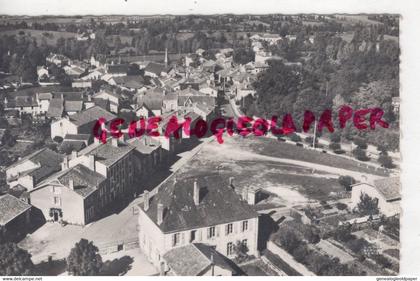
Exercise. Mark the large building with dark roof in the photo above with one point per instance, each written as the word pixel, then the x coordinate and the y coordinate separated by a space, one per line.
pixel 80 123
pixel 73 195
pixel 196 210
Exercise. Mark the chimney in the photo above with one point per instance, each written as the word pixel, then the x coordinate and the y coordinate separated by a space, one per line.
pixel 146 200
pixel 74 154
pixel 71 184
pixel 114 142
pixel 92 162
pixel 231 182
pixel 65 163
pixel 159 213
pixel 245 194
pixel 196 193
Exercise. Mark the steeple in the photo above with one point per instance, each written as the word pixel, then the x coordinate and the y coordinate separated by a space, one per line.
pixel 166 57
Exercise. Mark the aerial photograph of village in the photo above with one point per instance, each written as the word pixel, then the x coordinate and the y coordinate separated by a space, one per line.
pixel 200 145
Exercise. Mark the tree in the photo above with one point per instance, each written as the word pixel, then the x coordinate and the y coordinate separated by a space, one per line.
pixel 335 137
pixel 386 161
pixel 346 182
pixel 300 253
pixel 361 143
pixel 360 154
pixel 295 137
pixel 243 56
pixel 334 146
pixel 343 233
pixel 289 239
pixel 84 259
pixel 15 261
pixel 367 205
pixel 241 250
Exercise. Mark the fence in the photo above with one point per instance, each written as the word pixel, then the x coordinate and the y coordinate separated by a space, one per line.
pixel 118 245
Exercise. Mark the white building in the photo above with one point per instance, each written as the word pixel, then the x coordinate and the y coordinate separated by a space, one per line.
pixel 386 191
pixel 205 210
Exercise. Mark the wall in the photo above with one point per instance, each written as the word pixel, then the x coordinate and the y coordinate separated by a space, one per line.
pixel 66 127
pixel 71 203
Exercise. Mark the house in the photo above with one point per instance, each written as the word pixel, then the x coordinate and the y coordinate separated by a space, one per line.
pixel 197 259
pixel 57 59
pixel 73 106
pixel 155 70
pixel 24 102
pixel 71 195
pixel 42 73
pixel 81 83
pixel 74 71
pixel 386 191
pixel 107 93
pixel 170 102
pixel 79 123
pixel 43 100
pixel 117 69
pixel 14 214
pixel 208 90
pixel 129 83
pixel 33 168
pixel 56 108
pixel 205 210
pixel 74 143
pixel 95 74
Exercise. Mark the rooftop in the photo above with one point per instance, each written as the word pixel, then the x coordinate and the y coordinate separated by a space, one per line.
pixel 390 188
pixel 90 115
pixel 10 208
pixel 219 204
pixel 194 259
pixel 108 154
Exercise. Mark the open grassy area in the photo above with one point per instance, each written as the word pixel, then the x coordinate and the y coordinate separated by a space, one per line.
pixel 272 147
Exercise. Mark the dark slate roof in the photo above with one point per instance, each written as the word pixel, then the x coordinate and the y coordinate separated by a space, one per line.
pixel 219 204
pixel 156 68
pixel 56 108
pixel 11 207
pixel 390 188
pixel 19 191
pixel 90 115
pixel 118 68
pixel 194 259
pixel 108 154
pixel 85 181
pixel 72 145
pixel 132 82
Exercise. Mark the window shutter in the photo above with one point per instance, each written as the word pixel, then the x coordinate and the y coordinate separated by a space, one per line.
pixel 208 233
pixel 199 234
pixel 226 229
pixel 173 240
pixel 218 230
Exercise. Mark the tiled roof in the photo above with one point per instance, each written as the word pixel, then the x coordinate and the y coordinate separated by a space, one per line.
pixel 108 154
pixel 118 68
pixel 219 204
pixel 194 259
pixel 140 146
pixel 155 68
pixel 85 181
pixel 70 106
pixel 134 82
pixel 90 115
pixel 48 160
pixel 81 137
pixel 56 108
pixel 390 188
pixel 10 208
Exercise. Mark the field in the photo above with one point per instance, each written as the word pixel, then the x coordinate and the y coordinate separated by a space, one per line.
pixel 50 37
pixel 284 181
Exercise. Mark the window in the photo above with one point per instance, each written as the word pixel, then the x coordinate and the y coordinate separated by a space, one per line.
pixel 211 232
pixel 57 201
pixel 176 239
pixel 229 249
pixel 229 228
pixel 244 226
